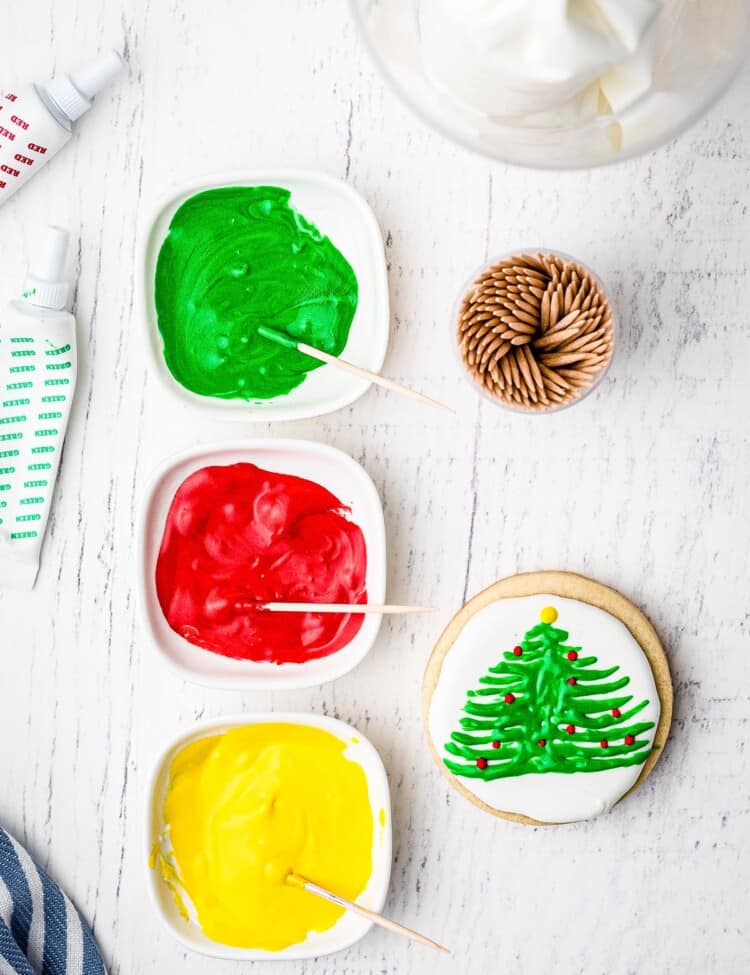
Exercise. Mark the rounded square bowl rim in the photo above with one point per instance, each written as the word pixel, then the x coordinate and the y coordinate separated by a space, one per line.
pixel 341 729
pixel 239 410
pixel 273 681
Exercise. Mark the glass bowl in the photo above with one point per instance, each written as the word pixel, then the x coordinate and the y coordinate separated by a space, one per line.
pixel 698 46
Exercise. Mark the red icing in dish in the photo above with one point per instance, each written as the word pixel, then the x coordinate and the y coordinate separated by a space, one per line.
pixel 238 536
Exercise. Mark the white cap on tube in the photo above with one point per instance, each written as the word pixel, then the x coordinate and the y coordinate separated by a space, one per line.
pixel 46 284
pixel 73 93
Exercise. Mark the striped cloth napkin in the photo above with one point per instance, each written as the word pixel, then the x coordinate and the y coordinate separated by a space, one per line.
pixel 41 933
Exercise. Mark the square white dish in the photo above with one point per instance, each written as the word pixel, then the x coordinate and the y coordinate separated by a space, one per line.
pixel 350 927
pixel 341 214
pixel 325 465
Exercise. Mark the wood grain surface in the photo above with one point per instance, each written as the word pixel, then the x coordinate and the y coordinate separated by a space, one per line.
pixel 643 486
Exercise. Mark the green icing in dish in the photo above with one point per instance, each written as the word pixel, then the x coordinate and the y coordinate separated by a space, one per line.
pixel 237 257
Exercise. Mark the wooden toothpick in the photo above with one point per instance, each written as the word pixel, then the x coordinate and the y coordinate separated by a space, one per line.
pixel 343 608
pixel 303 883
pixel 282 338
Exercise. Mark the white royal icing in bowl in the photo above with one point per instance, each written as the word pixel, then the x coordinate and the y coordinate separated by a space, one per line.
pixel 509 58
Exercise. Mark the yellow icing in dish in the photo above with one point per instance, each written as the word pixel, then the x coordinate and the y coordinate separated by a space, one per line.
pixel 245 808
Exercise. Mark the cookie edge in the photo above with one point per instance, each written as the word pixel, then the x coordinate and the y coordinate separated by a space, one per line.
pixel 568 585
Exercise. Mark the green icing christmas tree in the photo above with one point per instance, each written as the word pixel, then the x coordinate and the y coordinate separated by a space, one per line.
pixel 546 708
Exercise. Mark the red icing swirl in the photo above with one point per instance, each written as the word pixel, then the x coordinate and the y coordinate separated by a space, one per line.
pixel 238 536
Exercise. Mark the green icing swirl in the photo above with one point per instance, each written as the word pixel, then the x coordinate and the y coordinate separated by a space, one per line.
pixel 237 257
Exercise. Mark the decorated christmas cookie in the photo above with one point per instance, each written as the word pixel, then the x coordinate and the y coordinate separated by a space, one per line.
pixel 547 698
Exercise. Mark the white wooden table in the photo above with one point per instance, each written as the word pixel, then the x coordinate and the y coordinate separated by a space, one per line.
pixel 644 486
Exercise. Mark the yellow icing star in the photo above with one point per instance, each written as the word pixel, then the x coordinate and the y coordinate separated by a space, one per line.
pixel 548 614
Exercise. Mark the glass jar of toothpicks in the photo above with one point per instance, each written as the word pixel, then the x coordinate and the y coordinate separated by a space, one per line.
pixel 535 331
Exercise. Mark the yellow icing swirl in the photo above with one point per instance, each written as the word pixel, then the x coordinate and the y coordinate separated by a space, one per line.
pixel 245 808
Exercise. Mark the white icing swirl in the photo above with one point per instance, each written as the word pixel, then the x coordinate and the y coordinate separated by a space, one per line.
pixel 509 58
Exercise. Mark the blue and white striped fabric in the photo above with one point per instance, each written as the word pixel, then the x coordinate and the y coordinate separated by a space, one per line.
pixel 41 932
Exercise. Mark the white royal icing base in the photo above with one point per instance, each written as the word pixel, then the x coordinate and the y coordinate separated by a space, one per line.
pixel 551 797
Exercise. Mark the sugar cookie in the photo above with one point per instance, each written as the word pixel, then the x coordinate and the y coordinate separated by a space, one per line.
pixel 547 698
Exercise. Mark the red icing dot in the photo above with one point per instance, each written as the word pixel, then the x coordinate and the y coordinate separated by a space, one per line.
pixel 571 729
pixel 572 655
pixel 604 744
pixel 572 681
pixel 629 739
pixel 616 713
pixel 495 744
pixel 517 651
pixel 482 763
pixel 509 698
pixel 542 742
